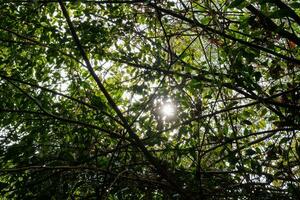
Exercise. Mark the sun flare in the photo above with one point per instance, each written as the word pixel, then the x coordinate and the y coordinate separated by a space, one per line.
pixel 168 110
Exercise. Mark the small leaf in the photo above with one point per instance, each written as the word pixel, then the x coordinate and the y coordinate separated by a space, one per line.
pixel 295 5
pixel 236 3
pixel 96 101
pixel 263 112
pixel 284 140
pixel 298 149
pixel 269 178
pixel 205 20
pixel 255 165
pixel 246 122
pixel 279 14
pixel 232 104
pixel 250 152
pixel 66 155
pixel 262 124
pixel 3 185
pixel 257 76
pixel 232 158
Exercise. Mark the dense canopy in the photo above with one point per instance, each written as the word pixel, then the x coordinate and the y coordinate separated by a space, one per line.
pixel 149 99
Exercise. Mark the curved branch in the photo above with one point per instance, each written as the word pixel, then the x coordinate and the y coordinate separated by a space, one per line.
pixel 63 95
pixel 71 121
pixel 196 23
pixel 162 170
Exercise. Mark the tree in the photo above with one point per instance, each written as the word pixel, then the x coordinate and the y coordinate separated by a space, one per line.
pixel 149 99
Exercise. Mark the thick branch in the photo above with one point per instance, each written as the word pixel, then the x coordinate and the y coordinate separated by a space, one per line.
pixel 134 138
pixel 291 12
pixel 268 24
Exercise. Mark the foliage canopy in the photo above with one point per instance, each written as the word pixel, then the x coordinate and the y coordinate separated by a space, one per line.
pixel 83 84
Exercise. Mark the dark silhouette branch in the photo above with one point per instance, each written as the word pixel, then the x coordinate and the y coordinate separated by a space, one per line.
pixel 268 24
pixel 63 95
pixel 290 11
pixel 196 23
pixel 62 119
pixel 162 170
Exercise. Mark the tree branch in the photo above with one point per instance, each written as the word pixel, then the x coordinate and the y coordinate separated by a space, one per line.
pixel 221 33
pixel 162 170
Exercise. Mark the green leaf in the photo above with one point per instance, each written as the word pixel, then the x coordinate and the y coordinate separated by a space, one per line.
pixel 278 14
pixel 231 104
pixel 108 125
pixel 257 76
pixel 284 140
pixel 97 101
pixel 66 155
pixel 295 5
pixel 246 122
pixel 236 3
pixel 256 166
pixel 298 149
pixel 263 112
pixel 250 152
pixel 232 159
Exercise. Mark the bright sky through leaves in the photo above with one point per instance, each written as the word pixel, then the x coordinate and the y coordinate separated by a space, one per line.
pixel 168 109
pixel 150 99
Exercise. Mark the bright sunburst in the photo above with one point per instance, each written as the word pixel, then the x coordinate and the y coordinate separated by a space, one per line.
pixel 168 109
